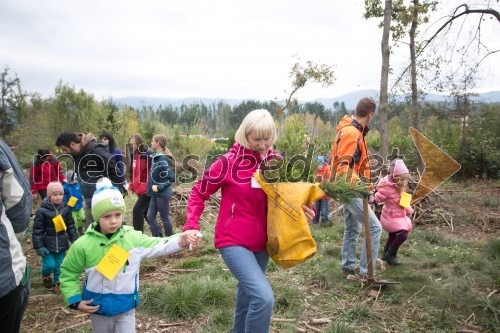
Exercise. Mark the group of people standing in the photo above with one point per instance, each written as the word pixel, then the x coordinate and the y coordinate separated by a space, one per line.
pixel 241 225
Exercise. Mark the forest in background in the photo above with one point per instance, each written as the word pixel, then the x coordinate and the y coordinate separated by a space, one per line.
pixel 467 131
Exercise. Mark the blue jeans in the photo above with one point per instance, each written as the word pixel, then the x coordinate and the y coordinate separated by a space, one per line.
pixel 51 263
pixel 254 296
pixel 159 203
pixel 353 220
pixel 321 211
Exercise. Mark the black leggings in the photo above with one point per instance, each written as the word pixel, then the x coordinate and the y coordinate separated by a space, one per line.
pixel 139 212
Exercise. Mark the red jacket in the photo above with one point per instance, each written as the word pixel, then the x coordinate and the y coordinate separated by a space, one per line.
pixel 323 175
pixel 242 218
pixel 139 173
pixel 42 173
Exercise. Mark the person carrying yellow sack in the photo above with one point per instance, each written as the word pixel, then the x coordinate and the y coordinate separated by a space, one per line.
pixel 241 230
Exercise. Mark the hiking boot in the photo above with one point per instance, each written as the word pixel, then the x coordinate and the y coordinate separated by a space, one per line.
pixel 47 281
pixel 55 288
pixel 384 253
pixel 391 257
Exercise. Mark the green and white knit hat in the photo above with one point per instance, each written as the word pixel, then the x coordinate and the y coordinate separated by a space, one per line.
pixel 106 198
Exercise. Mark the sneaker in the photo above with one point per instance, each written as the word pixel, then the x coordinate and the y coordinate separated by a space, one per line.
pixel 55 288
pixel 47 281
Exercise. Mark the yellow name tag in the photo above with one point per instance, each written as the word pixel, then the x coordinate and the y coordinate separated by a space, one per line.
pixel 405 200
pixel 59 223
pixel 112 261
pixel 72 201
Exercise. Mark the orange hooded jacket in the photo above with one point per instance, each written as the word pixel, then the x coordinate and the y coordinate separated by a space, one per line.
pixel 349 151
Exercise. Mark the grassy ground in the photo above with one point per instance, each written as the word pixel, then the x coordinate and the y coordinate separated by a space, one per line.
pixel 447 282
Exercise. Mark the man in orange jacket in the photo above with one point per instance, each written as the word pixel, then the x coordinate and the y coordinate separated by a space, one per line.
pixel 350 157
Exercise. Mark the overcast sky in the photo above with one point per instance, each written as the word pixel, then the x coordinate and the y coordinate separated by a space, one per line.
pixel 187 48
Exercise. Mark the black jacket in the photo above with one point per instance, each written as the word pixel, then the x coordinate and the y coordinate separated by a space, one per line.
pixel 44 230
pixel 94 163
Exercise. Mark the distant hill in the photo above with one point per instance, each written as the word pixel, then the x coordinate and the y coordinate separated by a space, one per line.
pixel 350 99
pixel 138 101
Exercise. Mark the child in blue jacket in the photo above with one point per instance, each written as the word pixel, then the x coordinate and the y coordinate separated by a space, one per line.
pixel 73 198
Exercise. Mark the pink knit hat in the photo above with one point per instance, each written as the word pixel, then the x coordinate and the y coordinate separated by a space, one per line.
pixel 53 187
pixel 397 167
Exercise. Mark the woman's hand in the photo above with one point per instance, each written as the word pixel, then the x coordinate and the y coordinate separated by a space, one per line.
pixel 155 188
pixel 310 212
pixel 85 307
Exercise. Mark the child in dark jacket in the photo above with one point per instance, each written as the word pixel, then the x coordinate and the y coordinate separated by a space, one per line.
pixel 73 198
pixel 52 227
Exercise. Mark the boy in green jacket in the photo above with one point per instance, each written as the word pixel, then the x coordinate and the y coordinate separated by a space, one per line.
pixel 110 254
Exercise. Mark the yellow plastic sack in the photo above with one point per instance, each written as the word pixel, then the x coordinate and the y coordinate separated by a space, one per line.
pixel 289 239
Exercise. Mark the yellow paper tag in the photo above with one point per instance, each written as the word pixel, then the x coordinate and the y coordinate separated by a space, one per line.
pixel 59 223
pixel 72 201
pixel 405 200
pixel 112 261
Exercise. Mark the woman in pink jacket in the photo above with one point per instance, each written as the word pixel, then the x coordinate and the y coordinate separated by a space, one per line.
pixel 241 227
pixel 394 219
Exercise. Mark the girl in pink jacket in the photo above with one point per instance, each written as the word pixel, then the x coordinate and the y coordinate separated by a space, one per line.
pixel 394 219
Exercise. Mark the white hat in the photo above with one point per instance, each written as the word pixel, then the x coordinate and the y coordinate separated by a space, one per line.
pixel 106 198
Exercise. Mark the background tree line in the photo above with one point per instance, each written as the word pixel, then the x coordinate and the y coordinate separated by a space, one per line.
pixel 467 130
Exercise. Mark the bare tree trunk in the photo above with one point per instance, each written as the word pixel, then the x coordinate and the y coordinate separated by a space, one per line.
pixel 415 112
pixel 384 81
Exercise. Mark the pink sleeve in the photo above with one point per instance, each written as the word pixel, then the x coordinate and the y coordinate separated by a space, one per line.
pixel 381 193
pixel 408 210
pixel 211 182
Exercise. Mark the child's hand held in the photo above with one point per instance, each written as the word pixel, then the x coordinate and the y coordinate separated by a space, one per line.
pixel 196 242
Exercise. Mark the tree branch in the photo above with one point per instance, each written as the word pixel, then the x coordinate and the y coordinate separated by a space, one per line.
pixel 455 16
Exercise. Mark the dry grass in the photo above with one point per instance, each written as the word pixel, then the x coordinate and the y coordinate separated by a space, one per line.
pixel 448 282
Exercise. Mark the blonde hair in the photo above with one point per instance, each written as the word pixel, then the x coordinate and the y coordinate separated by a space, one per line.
pixel 401 182
pixel 259 122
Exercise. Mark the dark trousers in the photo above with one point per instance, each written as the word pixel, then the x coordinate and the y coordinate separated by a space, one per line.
pixel 139 212
pixel 12 307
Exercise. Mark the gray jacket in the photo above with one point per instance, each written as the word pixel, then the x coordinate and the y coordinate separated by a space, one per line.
pixel 15 207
